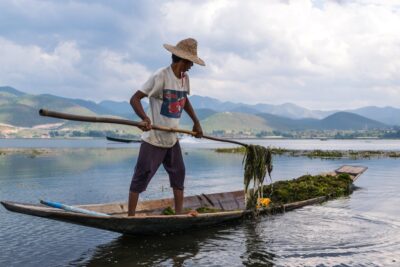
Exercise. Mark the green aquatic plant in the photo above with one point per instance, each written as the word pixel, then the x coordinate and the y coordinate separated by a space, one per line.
pixel 257 163
pixel 240 150
pixel 207 210
pixel 168 211
pixel 309 186
pixel 279 151
pixel 34 153
pixel 394 155
pixel 31 153
pixel 324 154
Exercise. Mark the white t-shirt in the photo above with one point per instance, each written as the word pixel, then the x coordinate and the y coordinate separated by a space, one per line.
pixel 167 97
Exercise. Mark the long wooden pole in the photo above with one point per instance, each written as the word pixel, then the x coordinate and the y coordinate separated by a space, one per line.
pixel 66 116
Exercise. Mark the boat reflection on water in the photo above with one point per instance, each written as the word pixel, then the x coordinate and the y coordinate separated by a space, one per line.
pixel 168 250
pixel 162 250
pixel 181 249
pixel 257 249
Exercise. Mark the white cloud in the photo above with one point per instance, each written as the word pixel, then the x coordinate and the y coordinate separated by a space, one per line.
pixel 320 54
pixel 277 52
pixel 70 72
pixel 120 77
pixel 24 63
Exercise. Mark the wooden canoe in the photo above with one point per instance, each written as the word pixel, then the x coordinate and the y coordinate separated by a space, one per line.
pixel 148 219
pixel 122 140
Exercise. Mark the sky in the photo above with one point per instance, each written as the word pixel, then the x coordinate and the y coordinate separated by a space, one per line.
pixel 317 54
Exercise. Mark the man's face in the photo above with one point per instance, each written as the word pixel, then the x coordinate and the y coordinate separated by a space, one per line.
pixel 186 65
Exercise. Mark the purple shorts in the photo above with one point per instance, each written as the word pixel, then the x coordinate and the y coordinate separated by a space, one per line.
pixel 150 158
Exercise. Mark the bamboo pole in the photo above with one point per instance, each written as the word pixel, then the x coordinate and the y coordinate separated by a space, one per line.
pixel 66 116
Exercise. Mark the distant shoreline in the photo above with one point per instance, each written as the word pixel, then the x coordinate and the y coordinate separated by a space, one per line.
pixel 312 153
pixel 323 154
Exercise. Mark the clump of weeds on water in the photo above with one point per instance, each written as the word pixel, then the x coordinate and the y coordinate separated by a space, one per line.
pixel 307 187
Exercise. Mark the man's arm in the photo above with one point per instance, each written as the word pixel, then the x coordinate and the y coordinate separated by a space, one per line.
pixel 196 124
pixel 138 108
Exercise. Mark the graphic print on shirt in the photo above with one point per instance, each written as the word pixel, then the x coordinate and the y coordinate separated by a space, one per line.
pixel 173 103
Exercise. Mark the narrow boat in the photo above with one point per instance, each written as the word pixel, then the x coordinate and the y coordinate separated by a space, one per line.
pixel 148 219
pixel 122 140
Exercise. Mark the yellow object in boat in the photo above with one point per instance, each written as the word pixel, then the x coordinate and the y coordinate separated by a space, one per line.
pixel 264 202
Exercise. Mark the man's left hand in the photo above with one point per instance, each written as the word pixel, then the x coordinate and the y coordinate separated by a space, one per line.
pixel 198 130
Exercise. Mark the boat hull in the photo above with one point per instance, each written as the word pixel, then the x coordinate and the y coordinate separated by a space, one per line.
pixel 128 225
pixel 149 224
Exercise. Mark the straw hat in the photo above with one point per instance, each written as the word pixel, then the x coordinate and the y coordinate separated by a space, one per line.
pixel 186 49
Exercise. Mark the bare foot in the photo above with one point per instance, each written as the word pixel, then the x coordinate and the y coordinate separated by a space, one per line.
pixel 193 213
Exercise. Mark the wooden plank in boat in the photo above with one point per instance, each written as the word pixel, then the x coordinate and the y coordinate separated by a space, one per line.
pixel 226 201
pixel 111 208
pixel 354 171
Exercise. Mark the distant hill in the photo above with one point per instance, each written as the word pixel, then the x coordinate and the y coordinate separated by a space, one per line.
pixel 387 115
pixel 11 91
pixel 336 121
pixel 202 114
pixel 245 109
pixel 22 116
pixel 231 121
pixel 349 121
pixel 122 107
pixel 20 109
pixel 212 103
pixel 90 105
pixel 288 124
pixel 288 110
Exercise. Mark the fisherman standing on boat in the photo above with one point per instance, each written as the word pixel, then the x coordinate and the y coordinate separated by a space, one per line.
pixel 167 90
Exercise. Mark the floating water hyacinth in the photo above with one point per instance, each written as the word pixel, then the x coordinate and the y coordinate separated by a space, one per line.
pixel 257 163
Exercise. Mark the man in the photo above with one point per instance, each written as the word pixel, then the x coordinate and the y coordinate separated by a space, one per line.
pixel 167 90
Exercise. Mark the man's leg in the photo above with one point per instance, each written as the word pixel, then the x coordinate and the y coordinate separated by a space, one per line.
pixel 178 199
pixel 149 159
pixel 133 200
pixel 174 165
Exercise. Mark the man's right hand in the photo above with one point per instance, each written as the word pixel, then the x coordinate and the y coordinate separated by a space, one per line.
pixel 147 124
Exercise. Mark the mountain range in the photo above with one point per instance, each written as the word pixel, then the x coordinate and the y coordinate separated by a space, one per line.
pixel 19 109
pixel 387 115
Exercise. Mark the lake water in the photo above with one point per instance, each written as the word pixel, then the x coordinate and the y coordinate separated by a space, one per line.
pixel 360 230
